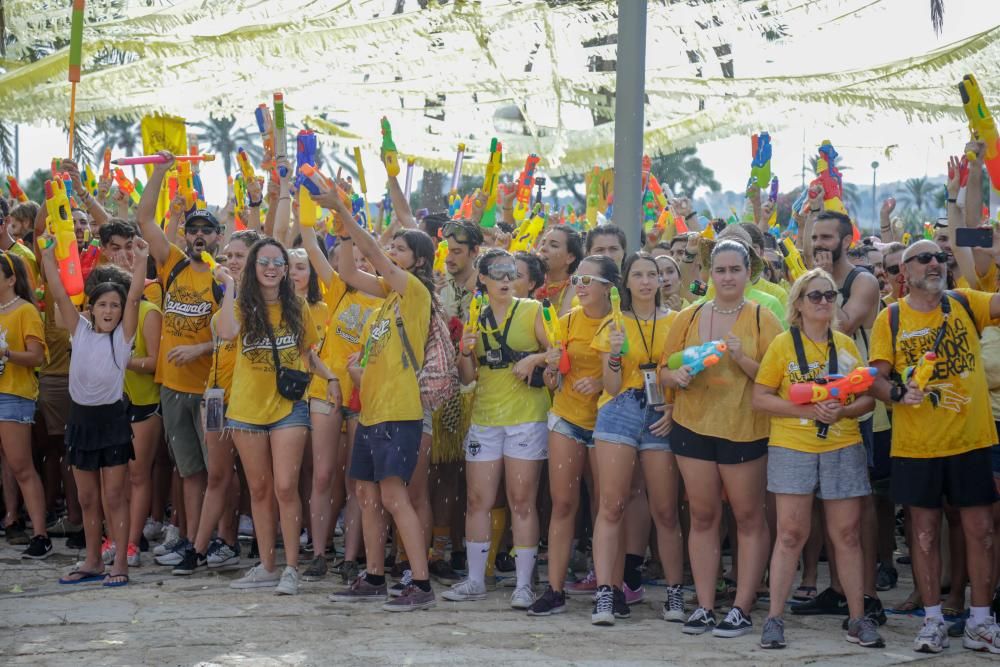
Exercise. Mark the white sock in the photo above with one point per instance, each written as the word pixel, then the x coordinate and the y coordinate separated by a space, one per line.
pixel 978 615
pixel 933 612
pixel 476 553
pixel 524 559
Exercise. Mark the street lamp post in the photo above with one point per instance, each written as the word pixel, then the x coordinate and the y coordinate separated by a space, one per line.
pixel 874 205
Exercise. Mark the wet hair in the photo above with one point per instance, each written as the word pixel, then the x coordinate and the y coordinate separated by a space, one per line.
pixel 535 266
pixel 607 230
pixel 608 269
pixel 730 245
pixel 844 226
pixel 574 245
pixel 630 261
pixel 12 265
pixel 250 299
pixel 433 222
pixel 116 227
pixel 475 235
pixel 422 247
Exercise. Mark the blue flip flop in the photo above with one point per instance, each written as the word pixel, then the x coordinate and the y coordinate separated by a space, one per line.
pixel 110 583
pixel 85 577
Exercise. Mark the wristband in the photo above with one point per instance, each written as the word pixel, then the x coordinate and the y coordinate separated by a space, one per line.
pixel 255 204
pixel 952 201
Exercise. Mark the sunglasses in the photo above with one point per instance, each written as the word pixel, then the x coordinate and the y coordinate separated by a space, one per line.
pixel 277 262
pixel 587 281
pixel 501 271
pixel 893 270
pixel 926 257
pixel 690 256
pixel 199 229
pixel 817 296
pixel 456 231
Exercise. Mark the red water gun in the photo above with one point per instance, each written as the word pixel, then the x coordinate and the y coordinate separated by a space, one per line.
pixel 15 190
pixel 832 388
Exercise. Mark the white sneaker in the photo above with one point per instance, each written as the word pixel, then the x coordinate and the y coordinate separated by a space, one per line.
pixel 258 577
pixel 108 552
pixel 171 538
pixel 983 637
pixel 152 530
pixel 932 638
pixel 222 555
pixel 246 526
pixel 522 597
pixel 289 583
pixel 465 591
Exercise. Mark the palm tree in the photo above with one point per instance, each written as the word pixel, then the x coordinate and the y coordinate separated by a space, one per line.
pixel 223 138
pixel 118 134
pixel 917 194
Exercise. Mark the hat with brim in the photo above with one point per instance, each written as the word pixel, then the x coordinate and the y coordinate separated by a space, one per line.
pixel 732 233
pixel 201 214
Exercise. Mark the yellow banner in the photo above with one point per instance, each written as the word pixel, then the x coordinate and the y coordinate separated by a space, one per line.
pixel 163 133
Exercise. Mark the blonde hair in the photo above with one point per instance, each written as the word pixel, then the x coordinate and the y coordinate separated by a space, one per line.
pixel 798 291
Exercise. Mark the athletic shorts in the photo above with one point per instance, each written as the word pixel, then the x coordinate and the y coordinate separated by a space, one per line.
pixel 182 425
pixel 842 473
pixel 965 480
pixel 387 449
pixel 297 418
pixel 570 430
pixel 528 442
pixel 625 420
pixel 686 442
pixel 140 413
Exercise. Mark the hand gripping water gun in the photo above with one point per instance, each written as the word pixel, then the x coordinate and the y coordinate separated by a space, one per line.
pixel 554 332
pixel 983 126
pixel 15 190
pixel 439 256
pixel 490 183
pixel 125 185
pixel 593 196
pixel 389 155
pixel 185 185
pixel 832 388
pixel 527 234
pixel 476 305
pixel 793 258
pixel 922 374
pixel 760 164
pixel 525 184
pixel 829 177
pixel 245 167
pixel 305 155
pixel 698 357
pixel 61 227
pixel 616 316
pixel 265 125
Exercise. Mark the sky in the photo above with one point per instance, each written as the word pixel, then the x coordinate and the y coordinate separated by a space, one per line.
pixel 922 150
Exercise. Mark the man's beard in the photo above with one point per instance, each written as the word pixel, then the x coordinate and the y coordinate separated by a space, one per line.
pixel 195 254
pixel 932 285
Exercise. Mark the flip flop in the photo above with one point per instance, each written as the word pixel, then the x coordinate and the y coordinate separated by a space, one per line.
pixel 82 577
pixel 109 580
pixel 804 593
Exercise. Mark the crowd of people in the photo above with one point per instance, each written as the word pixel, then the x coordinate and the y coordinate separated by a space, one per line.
pixel 298 383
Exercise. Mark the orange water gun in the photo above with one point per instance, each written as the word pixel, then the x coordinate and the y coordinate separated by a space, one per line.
pixel 15 190
pixel 832 388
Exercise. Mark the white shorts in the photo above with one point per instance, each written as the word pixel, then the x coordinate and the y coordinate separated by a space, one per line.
pixel 529 442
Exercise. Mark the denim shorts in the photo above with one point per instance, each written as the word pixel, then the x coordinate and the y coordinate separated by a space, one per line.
pixel 17 409
pixel 299 416
pixel 625 420
pixel 570 430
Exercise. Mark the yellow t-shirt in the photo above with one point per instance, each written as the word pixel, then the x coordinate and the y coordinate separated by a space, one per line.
pixel 645 346
pixel 389 390
pixel 352 313
pixel 501 398
pixel 585 362
pixel 223 362
pixel 779 369
pixel 986 282
pixel 16 326
pixel 718 402
pixel 963 420
pixel 319 312
pixel 141 388
pixel 24 252
pixel 255 399
pixel 990 342
pixel 187 310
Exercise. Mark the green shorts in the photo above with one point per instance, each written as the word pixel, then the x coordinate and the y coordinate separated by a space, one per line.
pixel 183 429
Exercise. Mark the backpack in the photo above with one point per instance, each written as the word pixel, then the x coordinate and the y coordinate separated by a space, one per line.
pixel 438 378
pixel 217 291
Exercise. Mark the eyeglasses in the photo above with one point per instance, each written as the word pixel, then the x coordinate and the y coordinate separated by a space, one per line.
pixel 926 257
pixel 817 296
pixel 501 271
pixel 456 231
pixel 277 262
pixel 586 280
pixel 892 270
pixel 199 229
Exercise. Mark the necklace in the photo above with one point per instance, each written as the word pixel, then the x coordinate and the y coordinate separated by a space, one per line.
pixel 645 319
pixel 729 311
pixel 5 306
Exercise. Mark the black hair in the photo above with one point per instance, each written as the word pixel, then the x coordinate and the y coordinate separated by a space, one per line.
pixel 107 273
pixel 246 236
pixel 475 234
pixel 680 237
pixel 844 226
pixel 486 259
pixel 4 208
pixel 433 222
pixel 96 292
pixel 607 230
pixel 731 245
pixel 756 236
pixel 250 300
pixel 629 262
pixel 609 269
pixel 535 266
pixel 12 265
pixel 574 245
pixel 116 227
pixel 422 247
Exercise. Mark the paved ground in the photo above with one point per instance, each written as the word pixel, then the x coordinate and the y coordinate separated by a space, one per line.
pixel 165 620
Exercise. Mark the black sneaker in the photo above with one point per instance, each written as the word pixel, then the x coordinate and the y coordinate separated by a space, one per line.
pixel 620 604
pixel 504 562
pixel 700 622
pixel 550 603
pixel 995 604
pixel 886 577
pixel 458 561
pixel 828 602
pixel 604 605
pixel 76 540
pixel 873 611
pixel 39 547
pixel 736 624
pixel 443 572
pixel 190 561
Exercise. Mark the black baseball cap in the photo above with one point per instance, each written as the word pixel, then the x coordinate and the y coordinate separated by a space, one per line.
pixel 201 214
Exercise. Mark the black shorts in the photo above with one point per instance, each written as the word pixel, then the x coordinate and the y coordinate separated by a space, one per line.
pixel 965 480
pixel 685 442
pixel 94 460
pixel 882 444
pixel 140 413
pixel 388 449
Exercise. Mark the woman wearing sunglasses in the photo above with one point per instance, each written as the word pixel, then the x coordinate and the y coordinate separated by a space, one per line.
pixel 505 355
pixel 804 461
pixel 574 375
pixel 633 421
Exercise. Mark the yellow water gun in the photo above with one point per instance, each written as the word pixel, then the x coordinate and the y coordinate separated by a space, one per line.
pixel 527 233
pixel 388 152
pixel 60 223
pixel 983 127
pixel 439 256
pixel 185 185
pixel 616 315
pixel 793 259
pixel 476 306
pixel 491 183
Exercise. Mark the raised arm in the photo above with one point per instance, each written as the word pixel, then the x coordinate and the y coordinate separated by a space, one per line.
pixel 887 233
pixel 68 314
pixel 227 327
pixel 956 221
pixel 81 194
pixel 400 206
pixel 130 314
pixel 318 259
pixel 159 247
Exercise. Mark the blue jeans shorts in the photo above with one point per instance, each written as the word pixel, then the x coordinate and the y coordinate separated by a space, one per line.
pixel 570 430
pixel 625 420
pixel 17 409
pixel 299 416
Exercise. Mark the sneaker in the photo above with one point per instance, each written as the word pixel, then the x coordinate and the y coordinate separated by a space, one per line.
pixel 108 551
pixel 620 603
pixel 585 586
pixel 773 635
pixel 349 572
pixel 549 603
pixel 16 534
pixel 76 541
pixel 360 591
pixel 190 561
pixel 673 606
pixel 246 527
pixel 873 610
pixel 39 548
pixel 152 530
pixel 491 582
pixel 604 607
pixel 982 637
pixel 886 577
pixel 465 591
pixel 736 624
pixel 411 599
pixel 864 632
pixel 289 582
pixel 257 577
pixel 133 556
pixel 171 538
pixel 933 637
pixel 398 588
pixel 338 530
pixel 828 602
pixel 522 598
pixel 459 562
pixel 504 562
pixel 443 572
pixel 62 527
pixel 633 597
pixel 174 557
pixel 700 622
pixel 316 570
pixel 223 555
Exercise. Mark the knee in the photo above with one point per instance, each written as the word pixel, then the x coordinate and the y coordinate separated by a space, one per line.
pixel 979 530
pixel 261 491
pixel 287 492
pixel 792 537
pixel 665 518
pixel 115 496
pixel 322 480
pixel 926 540
pixel 612 510
pixel 522 507
pixel 219 477
pixel 393 497
pixel 89 500
pixel 478 502
pixel 23 472
pixel 563 508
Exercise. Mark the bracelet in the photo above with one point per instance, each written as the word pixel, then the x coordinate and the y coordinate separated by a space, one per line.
pixel 329 380
pixel 952 201
pixel 255 204
pixel 615 357
pixel 288 197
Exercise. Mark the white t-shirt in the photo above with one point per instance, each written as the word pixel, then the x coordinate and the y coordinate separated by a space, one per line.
pixel 97 365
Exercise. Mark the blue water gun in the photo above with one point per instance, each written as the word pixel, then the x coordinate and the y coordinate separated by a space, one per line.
pixel 760 165
pixel 305 154
pixel 698 357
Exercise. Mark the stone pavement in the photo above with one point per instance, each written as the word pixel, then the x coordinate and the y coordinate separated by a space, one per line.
pixel 164 620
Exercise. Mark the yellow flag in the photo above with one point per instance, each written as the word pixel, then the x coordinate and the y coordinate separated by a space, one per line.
pixel 161 133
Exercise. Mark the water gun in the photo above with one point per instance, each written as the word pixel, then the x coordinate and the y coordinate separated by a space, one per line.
pixel 454 206
pixel 185 185
pixel 832 388
pixel 490 183
pixel 245 167
pixel 106 167
pixel 240 195
pixel 928 230
pixel 305 155
pixel 650 212
pixel 280 137
pixel 760 164
pixel 126 185
pixel 772 196
pixel 829 177
pixel 15 190
pixel 907 237
pixel 983 126
pixel 658 193
pixel 316 183
pixel 390 157
pixel 479 301
pixel 386 209
pixel 89 257
pixel 61 227
pixel 593 197
pixel 91 180
pixel 554 332
pixel 793 258
pixel 922 374
pixel 440 253
pixel 266 127
pixel 408 184
pixel 698 357
pixel 525 184
pixel 528 232
pixel 456 173
pixel 616 316
pixel 159 159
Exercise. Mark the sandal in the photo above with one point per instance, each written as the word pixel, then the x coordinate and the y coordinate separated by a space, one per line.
pixel 115 580
pixel 81 577
pixel 804 593
pixel 908 607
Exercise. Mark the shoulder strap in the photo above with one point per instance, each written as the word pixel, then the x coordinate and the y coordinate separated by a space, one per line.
pixel 409 358
pixel 217 291
pixel 958 296
pixel 274 344
pixel 800 353
pixel 845 291
pixel 758 318
pixel 894 324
